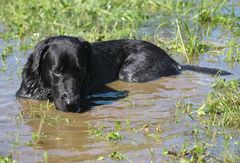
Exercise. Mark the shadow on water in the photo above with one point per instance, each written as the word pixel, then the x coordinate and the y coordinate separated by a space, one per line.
pixel 102 96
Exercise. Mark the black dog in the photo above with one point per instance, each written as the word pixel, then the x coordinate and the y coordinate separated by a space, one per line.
pixel 64 69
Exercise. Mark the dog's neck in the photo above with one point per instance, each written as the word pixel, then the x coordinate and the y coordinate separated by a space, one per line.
pixel 104 65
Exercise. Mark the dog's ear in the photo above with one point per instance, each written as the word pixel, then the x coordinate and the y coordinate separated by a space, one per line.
pixel 32 85
pixel 36 56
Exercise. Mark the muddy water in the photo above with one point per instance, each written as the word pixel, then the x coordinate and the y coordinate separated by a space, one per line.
pixel 147 116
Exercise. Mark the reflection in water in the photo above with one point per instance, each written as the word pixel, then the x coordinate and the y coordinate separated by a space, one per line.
pixel 103 96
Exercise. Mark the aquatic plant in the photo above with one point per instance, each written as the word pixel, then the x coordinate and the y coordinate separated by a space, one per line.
pixel 223 103
pixel 7 159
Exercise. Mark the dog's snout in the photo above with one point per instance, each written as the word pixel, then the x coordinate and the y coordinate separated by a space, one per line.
pixel 72 107
pixel 68 97
pixel 70 101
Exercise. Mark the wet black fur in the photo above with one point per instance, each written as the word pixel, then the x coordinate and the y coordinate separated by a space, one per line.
pixel 64 69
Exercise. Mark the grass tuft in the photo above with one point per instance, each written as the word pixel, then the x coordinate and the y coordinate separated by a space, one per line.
pixel 223 103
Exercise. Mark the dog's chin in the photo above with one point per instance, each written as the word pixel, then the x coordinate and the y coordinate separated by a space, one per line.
pixel 62 107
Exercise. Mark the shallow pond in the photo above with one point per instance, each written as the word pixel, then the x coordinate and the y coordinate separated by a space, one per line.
pixel 147 118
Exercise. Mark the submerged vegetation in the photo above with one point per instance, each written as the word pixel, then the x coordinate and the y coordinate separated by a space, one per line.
pixel 188 28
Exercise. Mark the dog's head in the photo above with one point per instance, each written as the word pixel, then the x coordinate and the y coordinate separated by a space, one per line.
pixel 56 70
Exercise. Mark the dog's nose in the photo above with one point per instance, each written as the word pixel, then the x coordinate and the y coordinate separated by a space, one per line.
pixel 68 98
pixel 71 102
pixel 72 107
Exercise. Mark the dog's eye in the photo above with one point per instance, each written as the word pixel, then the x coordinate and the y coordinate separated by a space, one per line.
pixel 57 72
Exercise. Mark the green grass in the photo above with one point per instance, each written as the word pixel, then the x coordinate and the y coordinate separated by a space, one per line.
pixel 116 156
pixel 216 124
pixel 103 20
pixel 188 43
pixel 233 53
pixel 94 20
pixel 196 154
pixel 211 13
pixel 7 159
pixel 99 130
pixel 223 103
pixel 114 136
pixel 221 106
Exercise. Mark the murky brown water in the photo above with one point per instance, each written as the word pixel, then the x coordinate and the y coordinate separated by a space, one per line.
pixel 148 109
